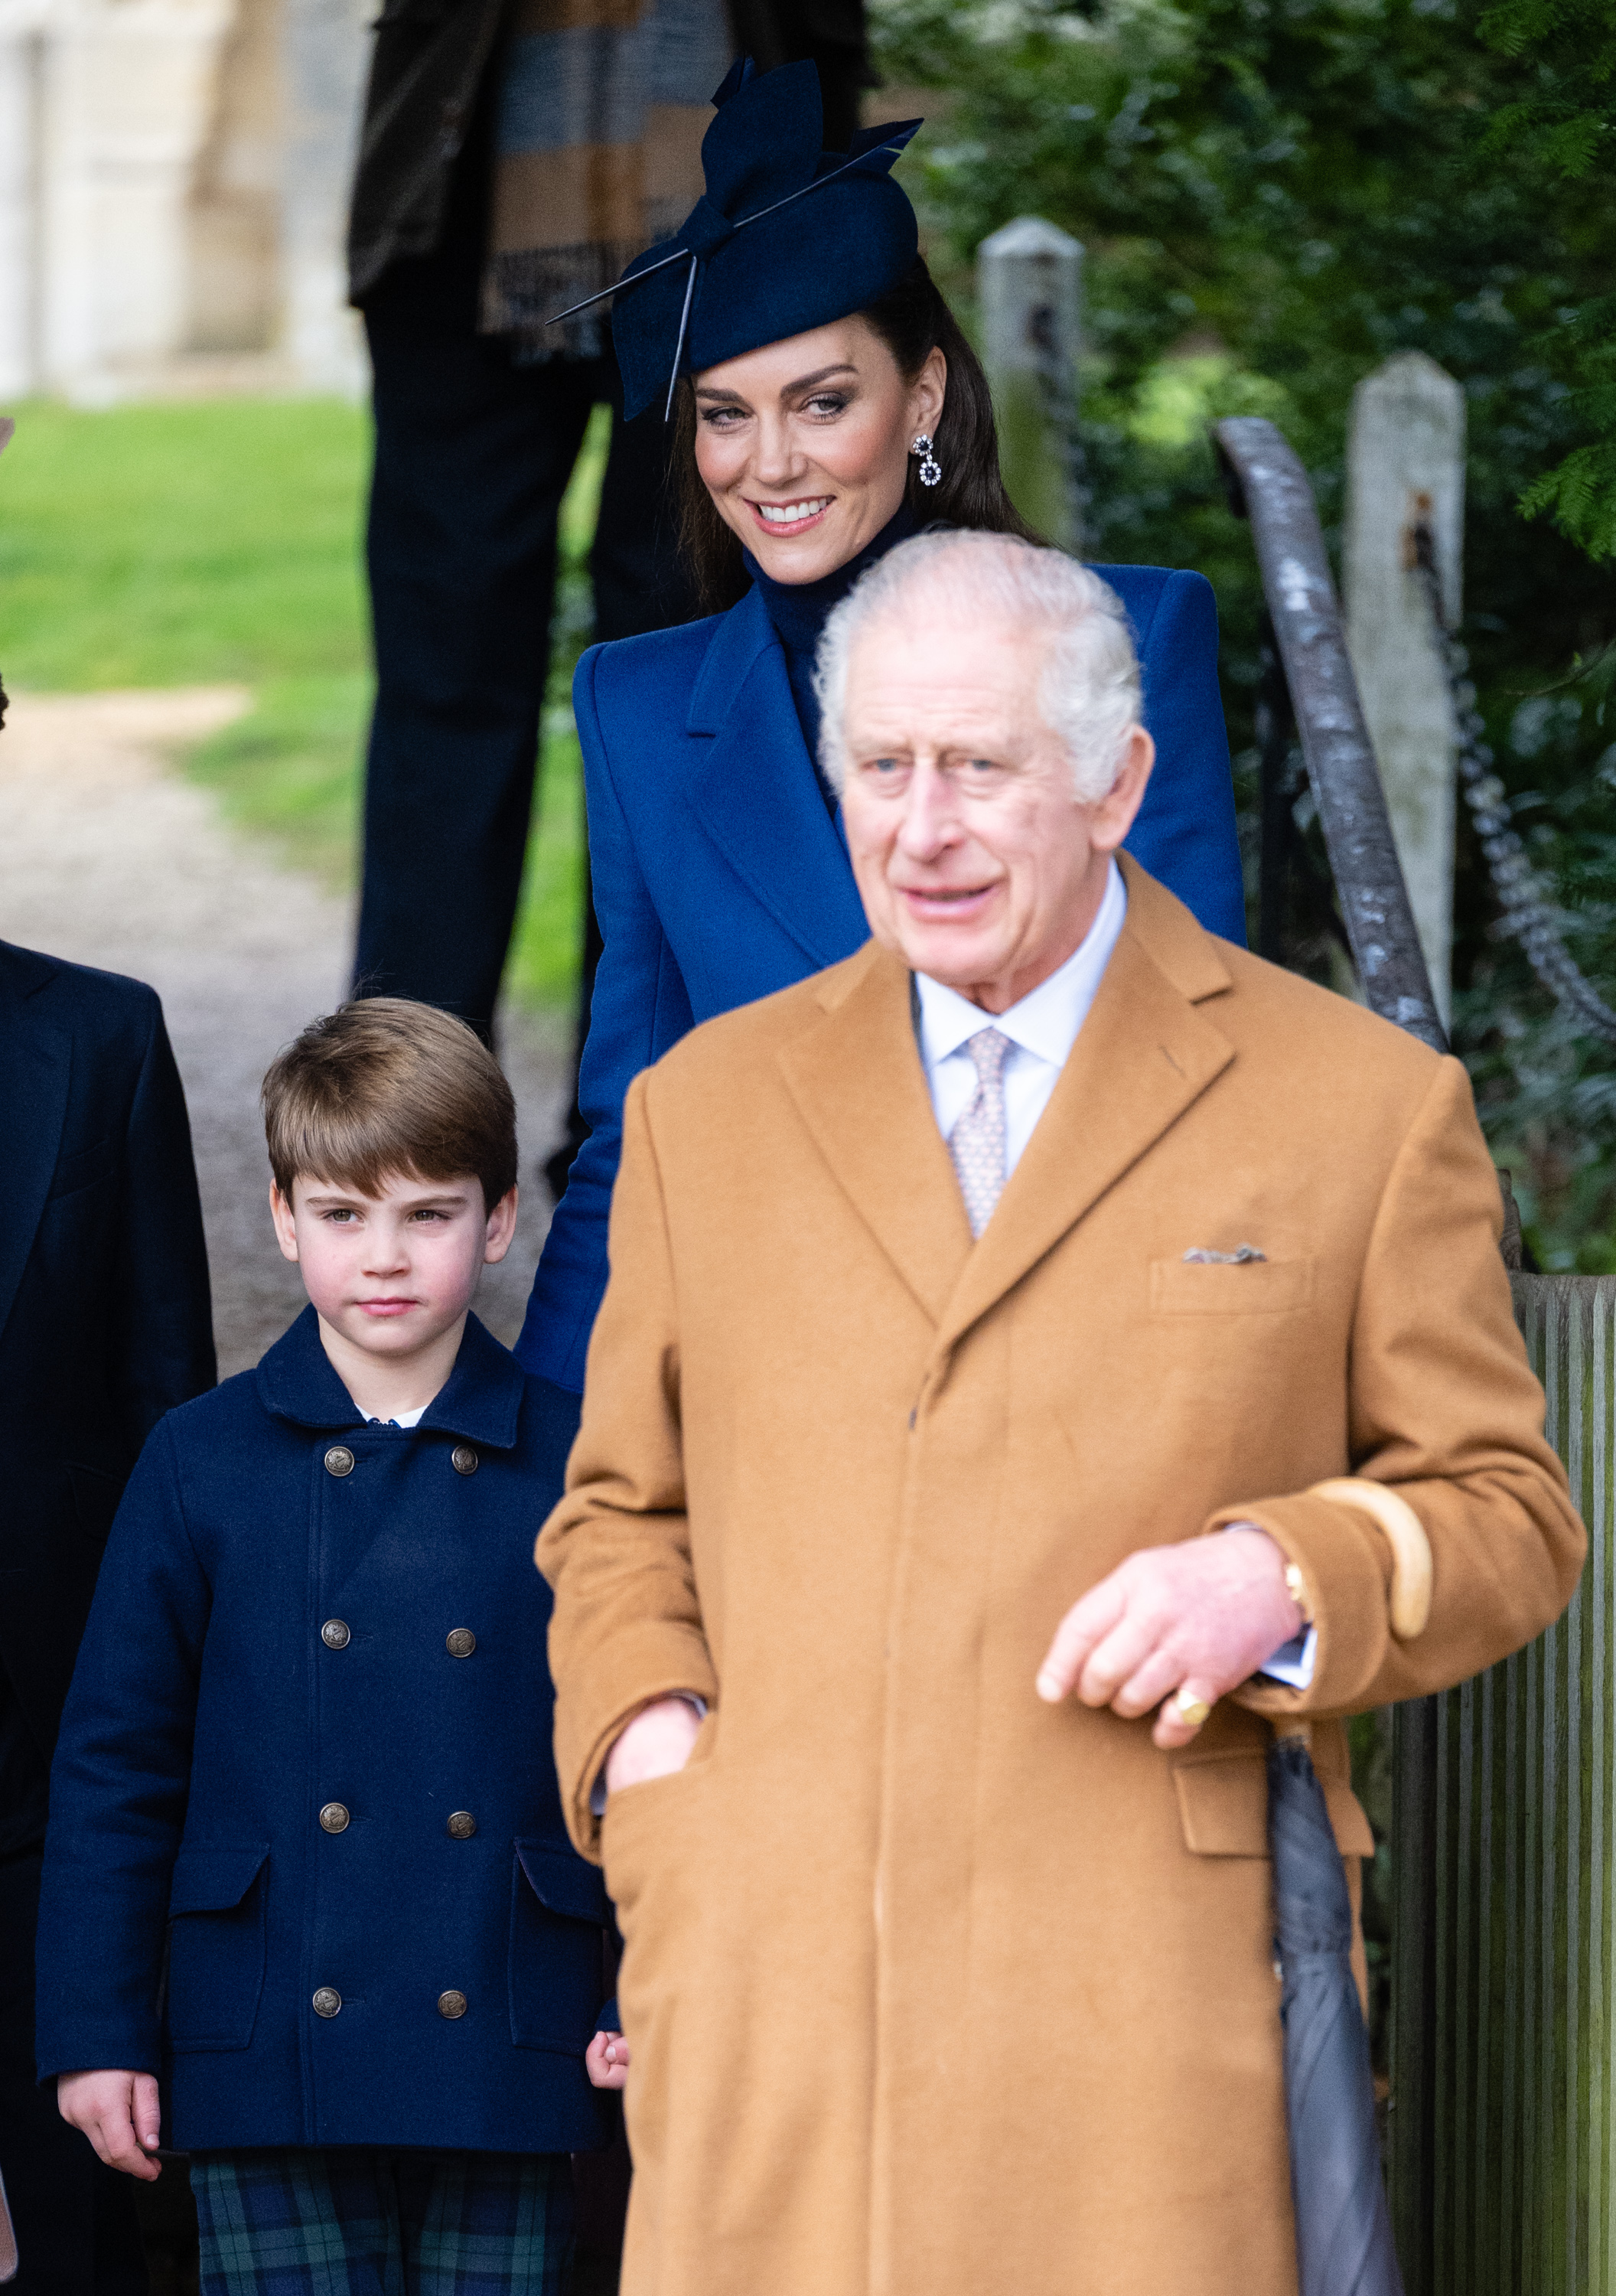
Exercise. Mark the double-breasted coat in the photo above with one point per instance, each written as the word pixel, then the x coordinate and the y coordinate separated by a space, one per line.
pixel 932 1988
pixel 308 1746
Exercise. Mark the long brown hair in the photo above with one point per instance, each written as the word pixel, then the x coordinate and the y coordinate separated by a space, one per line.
pixel 912 321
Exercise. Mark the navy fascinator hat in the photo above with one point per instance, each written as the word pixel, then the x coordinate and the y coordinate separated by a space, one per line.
pixel 785 237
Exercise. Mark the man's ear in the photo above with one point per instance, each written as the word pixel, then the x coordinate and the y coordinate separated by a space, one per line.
pixel 501 1229
pixel 1111 819
pixel 286 1230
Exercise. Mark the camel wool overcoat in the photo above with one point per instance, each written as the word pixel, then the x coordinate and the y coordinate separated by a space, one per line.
pixel 932 1989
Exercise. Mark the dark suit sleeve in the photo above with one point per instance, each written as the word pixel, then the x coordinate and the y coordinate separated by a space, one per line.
pixel 119 1786
pixel 1185 834
pixel 163 1317
pixel 639 1007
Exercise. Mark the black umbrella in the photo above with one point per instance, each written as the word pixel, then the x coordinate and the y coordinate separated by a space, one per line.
pixel 1343 2228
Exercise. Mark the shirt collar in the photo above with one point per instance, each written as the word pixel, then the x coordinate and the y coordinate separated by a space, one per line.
pixel 480 1400
pixel 1047 1021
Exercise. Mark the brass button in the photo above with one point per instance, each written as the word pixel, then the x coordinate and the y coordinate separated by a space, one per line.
pixel 459 1642
pixel 463 1459
pixel 461 1825
pixel 339 1460
pixel 451 2005
pixel 334 1634
pixel 327 2001
pixel 334 1817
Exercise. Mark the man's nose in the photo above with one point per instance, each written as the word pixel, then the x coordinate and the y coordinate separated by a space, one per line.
pixel 930 822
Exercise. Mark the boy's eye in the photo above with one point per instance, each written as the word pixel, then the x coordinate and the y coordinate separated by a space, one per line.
pixel 342 1214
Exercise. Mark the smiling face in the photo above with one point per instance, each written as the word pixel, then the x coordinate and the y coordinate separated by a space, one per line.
pixel 391 1276
pixel 804 446
pixel 974 859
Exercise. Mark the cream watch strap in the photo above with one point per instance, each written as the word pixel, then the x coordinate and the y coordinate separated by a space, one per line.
pixel 1410 1601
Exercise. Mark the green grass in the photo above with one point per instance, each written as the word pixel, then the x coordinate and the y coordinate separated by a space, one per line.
pixel 219 542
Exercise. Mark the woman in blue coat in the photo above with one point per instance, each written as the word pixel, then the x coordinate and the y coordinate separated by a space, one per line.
pixel 828 406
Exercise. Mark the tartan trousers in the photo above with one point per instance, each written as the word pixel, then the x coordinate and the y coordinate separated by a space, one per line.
pixel 383 2222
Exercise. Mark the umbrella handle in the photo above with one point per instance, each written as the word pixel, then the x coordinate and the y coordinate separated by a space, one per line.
pixel 1410 1603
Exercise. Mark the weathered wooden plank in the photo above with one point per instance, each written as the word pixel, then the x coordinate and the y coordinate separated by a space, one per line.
pixel 1522 2037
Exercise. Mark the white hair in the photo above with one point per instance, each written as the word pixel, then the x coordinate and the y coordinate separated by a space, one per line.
pixel 1089 690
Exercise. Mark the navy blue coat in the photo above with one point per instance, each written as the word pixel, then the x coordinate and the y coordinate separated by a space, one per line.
pixel 719 877
pixel 104 1315
pixel 270 1637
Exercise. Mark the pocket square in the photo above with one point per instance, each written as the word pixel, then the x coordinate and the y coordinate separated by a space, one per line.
pixel 1200 1254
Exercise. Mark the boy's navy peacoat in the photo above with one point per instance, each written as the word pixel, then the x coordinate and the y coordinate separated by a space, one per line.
pixel 308 1747
pixel 719 877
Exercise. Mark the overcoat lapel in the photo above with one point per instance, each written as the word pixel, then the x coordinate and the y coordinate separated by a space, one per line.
pixel 1144 1055
pixel 754 791
pixel 37 1067
pixel 859 1088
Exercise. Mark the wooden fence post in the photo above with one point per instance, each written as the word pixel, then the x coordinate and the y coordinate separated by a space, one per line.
pixel 1029 286
pixel 1406 467
pixel 1518 2026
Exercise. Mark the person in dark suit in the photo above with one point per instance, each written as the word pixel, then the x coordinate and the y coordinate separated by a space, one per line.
pixel 721 868
pixel 480 413
pixel 105 1324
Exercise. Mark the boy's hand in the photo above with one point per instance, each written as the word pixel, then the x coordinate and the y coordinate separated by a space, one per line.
pixel 119 2113
pixel 606 2060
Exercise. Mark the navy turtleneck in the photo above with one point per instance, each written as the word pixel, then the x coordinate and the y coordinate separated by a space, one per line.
pixel 799 611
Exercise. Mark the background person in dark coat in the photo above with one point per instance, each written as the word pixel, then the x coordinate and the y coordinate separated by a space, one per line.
pixel 481 414
pixel 307 1747
pixel 104 1325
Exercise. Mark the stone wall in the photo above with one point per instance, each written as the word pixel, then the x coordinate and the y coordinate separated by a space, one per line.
pixel 173 186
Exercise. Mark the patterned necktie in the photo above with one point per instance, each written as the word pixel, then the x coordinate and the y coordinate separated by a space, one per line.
pixel 977 1143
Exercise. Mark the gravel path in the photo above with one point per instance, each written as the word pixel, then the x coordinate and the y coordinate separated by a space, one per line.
pixel 109 858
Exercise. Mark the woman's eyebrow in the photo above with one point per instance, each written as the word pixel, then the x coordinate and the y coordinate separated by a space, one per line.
pixel 803 382
pixel 821 374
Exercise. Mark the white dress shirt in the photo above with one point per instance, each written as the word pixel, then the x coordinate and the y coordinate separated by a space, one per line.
pixel 1043 1030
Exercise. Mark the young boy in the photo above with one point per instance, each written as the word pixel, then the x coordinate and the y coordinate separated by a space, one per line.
pixel 306 1749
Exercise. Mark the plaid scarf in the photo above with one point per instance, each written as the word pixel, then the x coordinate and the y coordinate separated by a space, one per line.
pixel 602 107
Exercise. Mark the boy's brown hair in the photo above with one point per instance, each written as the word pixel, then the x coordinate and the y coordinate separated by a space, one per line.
pixel 387 1087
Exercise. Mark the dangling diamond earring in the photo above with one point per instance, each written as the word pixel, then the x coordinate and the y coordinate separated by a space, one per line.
pixel 931 469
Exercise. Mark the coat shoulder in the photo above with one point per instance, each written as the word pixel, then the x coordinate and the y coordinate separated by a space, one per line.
pixel 231 1413
pixel 660 665
pixel 1294 1009
pixel 746 1042
pixel 104 1006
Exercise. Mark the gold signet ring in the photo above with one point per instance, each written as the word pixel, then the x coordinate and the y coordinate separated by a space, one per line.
pixel 1193 1710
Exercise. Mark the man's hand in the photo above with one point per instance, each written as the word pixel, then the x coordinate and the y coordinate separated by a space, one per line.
pixel 606 2060
pixel 1201 1618
pixel 656 1744
pixel 118 2112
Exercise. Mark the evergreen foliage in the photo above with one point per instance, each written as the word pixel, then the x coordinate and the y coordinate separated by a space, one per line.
pixel 1274 195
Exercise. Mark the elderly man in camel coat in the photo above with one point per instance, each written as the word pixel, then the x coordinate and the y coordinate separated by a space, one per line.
pixel 985 1314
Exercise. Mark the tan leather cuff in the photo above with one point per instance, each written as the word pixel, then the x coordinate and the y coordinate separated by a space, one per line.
pixel 1409 1600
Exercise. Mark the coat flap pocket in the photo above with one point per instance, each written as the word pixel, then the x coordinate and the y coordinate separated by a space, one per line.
pixel 1255 1287
pixel 213 1880
pixel 1223 1804
pixel 82 1166
pixel 561 1881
